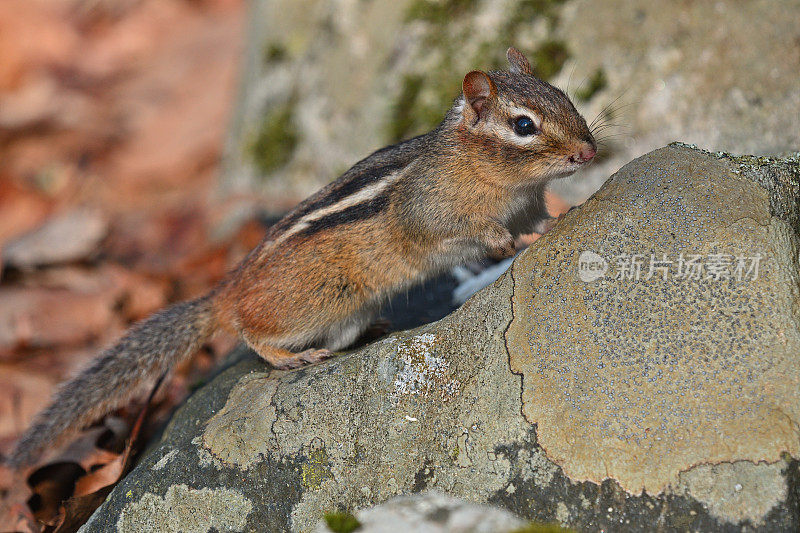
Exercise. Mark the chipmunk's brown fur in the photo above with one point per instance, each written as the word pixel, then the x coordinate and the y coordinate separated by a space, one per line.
pixel 402 214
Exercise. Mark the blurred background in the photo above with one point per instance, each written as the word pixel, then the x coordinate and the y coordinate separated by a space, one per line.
pixel 144 143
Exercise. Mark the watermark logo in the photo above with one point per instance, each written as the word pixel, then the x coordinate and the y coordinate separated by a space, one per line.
pixel 591 266
pixel 636 267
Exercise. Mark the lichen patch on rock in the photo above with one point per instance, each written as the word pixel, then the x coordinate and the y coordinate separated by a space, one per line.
pixel 315 470
pixel 734 492
pixel 241 433
pixel 186 510
pixel 165 459
pixel 423 372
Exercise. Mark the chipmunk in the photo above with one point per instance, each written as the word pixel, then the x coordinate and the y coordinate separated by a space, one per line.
pixel 406 212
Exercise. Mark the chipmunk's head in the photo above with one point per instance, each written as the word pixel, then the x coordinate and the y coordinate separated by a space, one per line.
pixel 526 127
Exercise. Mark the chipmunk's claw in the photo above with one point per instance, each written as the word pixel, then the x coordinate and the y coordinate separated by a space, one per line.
pixel 313 357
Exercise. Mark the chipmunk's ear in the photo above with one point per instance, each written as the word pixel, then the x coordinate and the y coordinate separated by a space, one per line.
pixel 518 63
pixel 478 89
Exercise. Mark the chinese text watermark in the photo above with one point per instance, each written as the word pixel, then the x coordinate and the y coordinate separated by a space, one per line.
pixel 635 267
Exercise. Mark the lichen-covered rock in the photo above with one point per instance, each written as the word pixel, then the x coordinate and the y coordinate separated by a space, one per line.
pixel 326 83
pixel 583 387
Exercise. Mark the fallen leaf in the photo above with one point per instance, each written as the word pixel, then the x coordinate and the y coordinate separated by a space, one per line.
pixel 77 510
pixel 67 237
pixel 104 476
pixel 14 511
pixel 43 317
pixel 50 485
pixel 83 450
pixel 20 520
pixel 22 395
pixel 21 210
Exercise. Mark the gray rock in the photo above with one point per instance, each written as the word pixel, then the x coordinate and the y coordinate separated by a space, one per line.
pixel 432 512
pixel 571 390
pixel 326 83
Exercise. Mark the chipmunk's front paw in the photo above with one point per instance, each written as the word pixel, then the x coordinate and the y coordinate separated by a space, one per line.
pixel 498 240
pixel 502 248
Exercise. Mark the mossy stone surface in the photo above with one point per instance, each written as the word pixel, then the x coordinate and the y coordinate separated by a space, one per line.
pixel 274 142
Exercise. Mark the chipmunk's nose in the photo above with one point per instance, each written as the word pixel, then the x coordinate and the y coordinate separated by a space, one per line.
pixel 583 154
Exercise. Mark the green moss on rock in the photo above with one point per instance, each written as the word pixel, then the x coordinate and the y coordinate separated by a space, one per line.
pixel 597 82
pixel 339 522
pixel 548 58
pixel 274 53
pixel 438 12
pixel 275 140
pixel 528 10
pixel 403 118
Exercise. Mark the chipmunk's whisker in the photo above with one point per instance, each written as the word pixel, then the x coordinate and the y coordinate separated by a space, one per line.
pixel 610 108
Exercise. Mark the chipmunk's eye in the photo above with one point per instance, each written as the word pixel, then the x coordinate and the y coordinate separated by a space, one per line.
pixel 524 126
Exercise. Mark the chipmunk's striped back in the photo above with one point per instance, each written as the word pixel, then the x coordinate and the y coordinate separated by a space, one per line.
pixel 360 193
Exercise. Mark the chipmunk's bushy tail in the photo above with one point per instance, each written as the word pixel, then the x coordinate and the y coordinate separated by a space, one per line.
pixel 148 350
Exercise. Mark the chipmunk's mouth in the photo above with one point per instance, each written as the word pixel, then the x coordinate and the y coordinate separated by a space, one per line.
pixel 571 166
pixel 561 168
